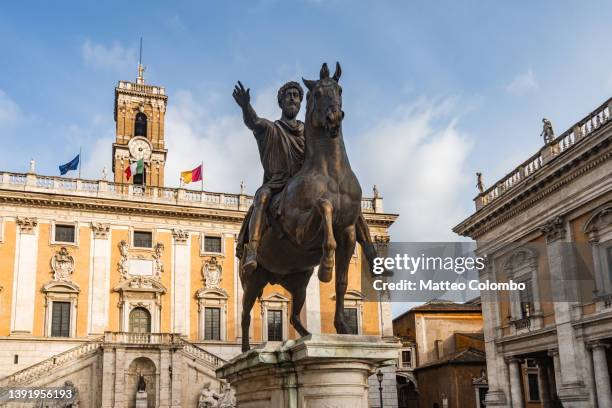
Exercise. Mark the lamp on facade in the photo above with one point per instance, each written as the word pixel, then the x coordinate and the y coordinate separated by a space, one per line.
pixel 379 377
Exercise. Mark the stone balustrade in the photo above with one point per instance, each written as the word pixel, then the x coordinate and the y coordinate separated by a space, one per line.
pixel 141 338
pixel 565 141
pixel 37 370
pixel 164 195
pixel 157 90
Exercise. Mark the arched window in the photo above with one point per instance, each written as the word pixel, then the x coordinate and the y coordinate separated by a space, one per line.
pixel 140 125
pixel 140 320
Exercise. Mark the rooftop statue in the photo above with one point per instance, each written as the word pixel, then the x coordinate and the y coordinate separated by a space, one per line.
pixel 307 213
pixel 547 131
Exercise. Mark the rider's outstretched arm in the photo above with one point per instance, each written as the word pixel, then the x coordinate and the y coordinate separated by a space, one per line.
pixel 242 97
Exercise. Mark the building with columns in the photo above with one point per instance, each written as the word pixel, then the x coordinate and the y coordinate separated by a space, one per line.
pixel 104 282
pixel 548 224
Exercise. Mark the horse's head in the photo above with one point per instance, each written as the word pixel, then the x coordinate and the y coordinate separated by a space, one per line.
pixel 324 101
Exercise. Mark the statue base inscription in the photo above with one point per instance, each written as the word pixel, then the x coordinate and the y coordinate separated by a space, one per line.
pixel 141 399
pixel 316 371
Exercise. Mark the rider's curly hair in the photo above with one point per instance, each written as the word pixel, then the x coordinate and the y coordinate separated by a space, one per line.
pixel 289 85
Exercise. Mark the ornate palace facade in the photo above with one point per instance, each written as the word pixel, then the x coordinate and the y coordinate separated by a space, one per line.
pixel 548 224
pixel 103 281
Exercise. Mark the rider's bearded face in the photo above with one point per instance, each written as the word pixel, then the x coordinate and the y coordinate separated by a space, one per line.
pixel 290 103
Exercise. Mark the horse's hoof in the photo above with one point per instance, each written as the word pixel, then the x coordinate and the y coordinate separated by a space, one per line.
pixel 245 347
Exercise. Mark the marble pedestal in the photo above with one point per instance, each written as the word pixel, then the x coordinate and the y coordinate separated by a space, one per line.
pixel 141 399
pixel 316 371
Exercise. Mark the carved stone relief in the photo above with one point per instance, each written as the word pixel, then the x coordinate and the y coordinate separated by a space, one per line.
pixel 100 230
pixel 27 224
pixel 180 236
pixel 62 264
pixel 211 273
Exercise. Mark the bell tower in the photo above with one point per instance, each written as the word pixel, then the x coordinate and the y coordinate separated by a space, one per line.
pixel 140 111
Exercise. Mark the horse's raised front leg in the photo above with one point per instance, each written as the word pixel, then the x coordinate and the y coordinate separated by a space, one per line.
pixel 296 285
pixel 326 264
pixel 257 281
pixel 346 249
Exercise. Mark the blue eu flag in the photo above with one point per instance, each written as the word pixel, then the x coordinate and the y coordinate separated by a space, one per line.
pixel 71 165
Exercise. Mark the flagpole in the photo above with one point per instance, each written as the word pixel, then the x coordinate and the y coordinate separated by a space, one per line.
pixel 201 175
pixel 80 160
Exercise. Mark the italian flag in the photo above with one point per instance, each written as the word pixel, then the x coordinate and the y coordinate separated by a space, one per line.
pixel 134 168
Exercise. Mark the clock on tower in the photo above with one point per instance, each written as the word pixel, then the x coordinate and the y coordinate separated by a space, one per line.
pixel 139 116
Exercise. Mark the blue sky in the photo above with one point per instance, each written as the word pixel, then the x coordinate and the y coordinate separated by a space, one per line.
pixel 433 91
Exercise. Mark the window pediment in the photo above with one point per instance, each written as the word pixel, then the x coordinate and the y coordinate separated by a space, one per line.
pixel 351 294
pixel 217 293
pixel 60 287
pixel 600 220
pixel 140 284
pixel 522 261
pixel 275 297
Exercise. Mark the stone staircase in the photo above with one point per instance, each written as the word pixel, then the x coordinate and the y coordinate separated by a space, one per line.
pixel 70 363
pixel 204 356
pixel 34 372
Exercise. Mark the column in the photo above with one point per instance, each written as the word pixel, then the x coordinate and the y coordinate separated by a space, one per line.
pixel 108 376
pixel 562 268
pixel 119 394
pixel 165 378
pixel 602 375
pixel 516 391
pixel 99 278
pixel 179 374
pixel 181 279
pixel 498 393
pixel 555 371
pixel 546 394
pixel 24 290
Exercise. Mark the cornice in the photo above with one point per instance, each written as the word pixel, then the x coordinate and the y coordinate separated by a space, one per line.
pixel 558 175
pixel 106 205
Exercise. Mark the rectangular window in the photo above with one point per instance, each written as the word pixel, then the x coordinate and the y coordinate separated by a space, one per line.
pixel 275 325
pixel 64 233
pixel 212 323
pixel 212 244
pixel 406 358
pixel 143 239
pixel 534 387
pixel 16 359
pixel 60 319
pixel 526 299
pixel 350 317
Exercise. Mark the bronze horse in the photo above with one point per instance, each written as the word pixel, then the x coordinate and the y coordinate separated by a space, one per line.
pixel 320 207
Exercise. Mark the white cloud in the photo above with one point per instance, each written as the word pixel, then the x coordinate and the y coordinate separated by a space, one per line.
pixel 222 142
pixel 417 158
pixel 10 113
pixel 523 83
pixel 114 57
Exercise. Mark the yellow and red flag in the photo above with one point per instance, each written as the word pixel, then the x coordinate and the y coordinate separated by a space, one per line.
pixel 191 176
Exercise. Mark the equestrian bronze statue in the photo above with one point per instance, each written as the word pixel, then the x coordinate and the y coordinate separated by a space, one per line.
pixel 308 211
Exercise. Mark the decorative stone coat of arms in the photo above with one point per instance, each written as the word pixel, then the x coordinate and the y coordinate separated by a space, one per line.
pixel 62 264
pixel 211 272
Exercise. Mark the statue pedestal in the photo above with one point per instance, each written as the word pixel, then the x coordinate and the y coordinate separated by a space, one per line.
pixel 315 371
pixel 141 399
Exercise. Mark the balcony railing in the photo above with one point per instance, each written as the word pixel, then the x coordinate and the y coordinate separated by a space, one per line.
pixel 164 195
pixel 564 142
